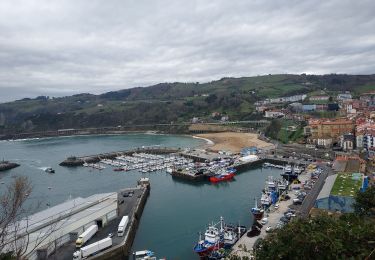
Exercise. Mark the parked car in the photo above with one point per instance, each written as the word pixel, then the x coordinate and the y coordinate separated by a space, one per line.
pixel 269 229
pixel 297 202
pixel 264 221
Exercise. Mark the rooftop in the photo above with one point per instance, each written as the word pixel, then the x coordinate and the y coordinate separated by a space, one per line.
pixel 347 184
pixel 324 121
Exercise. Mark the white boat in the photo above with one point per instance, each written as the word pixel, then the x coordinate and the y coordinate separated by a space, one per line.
pixel 288 168
pixel 297 170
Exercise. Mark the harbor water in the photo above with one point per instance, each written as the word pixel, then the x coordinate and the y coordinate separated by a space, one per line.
pixel 175 211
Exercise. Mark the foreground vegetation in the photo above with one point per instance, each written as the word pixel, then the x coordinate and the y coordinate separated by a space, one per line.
pixel 169 102
pixel 349 236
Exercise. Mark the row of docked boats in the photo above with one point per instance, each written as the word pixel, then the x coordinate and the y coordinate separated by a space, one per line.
pixel 289 172
pixel 270 194
pixel 217 239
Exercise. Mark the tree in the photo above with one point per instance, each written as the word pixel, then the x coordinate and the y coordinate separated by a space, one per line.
pixel 365 202
pixel 12 208
pixel 18 236
pixel 348 236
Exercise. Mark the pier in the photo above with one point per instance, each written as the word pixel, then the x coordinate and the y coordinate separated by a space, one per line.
pixel 5 165
pixel 131 206
pixel 244 246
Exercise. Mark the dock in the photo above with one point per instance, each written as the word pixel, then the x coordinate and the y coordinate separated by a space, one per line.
pixel 131 206
pixel 244 246
pixel 5 165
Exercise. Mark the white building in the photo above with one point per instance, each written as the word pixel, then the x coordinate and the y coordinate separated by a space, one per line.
pixel 53 227
pixel 273 114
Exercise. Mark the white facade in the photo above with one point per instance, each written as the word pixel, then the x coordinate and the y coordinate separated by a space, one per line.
pixel 51 228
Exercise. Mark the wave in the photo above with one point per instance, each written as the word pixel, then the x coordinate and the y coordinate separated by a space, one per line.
pixel 210 142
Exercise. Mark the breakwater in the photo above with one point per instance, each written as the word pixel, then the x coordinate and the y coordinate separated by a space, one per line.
pixel 5 165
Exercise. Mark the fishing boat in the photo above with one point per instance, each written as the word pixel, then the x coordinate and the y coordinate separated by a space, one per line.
pixel 265 200
pixel 257 212
pixel 213 240
pixel 221 177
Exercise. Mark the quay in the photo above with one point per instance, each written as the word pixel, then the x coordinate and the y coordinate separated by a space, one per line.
pixel 5 165
pixel 244 246
pixel 52 232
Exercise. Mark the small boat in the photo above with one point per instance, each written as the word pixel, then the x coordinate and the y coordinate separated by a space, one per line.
pixel 49 170
pixel 118 169
pixel 257 212
pixel 266 165
pixel 288 168
pixel 144 255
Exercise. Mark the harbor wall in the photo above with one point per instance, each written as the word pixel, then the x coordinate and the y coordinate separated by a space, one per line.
pixel 123 251
pixel 7 165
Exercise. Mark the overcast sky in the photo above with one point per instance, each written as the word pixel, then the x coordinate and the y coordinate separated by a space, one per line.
pixel 65 47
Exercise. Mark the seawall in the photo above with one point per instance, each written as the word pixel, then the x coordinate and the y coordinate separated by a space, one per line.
pixel 123 251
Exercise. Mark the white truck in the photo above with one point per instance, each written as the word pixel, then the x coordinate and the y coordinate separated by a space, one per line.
pixel 122 226
pixel 92 249
pixel 85 236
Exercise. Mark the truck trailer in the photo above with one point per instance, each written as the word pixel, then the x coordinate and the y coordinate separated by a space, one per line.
pixel 122 226
pixel 85 236
pixel 92 249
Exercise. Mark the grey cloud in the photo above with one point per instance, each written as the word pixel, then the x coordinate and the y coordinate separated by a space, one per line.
pixel 67 47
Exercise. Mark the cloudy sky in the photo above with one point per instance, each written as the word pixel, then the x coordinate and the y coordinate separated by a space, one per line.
pixel 71 46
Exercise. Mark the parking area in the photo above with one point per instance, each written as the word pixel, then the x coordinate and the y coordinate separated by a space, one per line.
pixel 127 201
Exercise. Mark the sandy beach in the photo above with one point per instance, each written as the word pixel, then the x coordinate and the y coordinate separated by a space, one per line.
pixel 234 142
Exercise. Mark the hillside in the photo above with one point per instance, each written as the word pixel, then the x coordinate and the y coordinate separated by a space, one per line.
pixel 168 102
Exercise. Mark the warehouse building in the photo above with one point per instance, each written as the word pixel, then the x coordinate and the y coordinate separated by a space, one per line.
pixel 49 229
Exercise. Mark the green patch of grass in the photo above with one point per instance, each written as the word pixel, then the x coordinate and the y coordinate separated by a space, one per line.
pixel 345 185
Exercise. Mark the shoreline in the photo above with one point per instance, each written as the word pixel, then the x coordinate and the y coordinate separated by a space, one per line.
pixel 209 142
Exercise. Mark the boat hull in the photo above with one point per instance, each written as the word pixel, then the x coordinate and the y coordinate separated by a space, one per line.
pixel 216 179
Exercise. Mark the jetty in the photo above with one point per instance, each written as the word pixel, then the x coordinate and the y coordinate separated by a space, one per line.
pixel 5 165
pixel 126 202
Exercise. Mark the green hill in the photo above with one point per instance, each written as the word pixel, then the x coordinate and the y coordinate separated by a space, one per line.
pixel 168 102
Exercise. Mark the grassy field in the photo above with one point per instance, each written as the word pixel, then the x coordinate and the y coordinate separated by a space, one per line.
pixel 345 185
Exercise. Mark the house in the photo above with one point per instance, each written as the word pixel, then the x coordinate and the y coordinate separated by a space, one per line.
pixel 365 135
pixel 344 96
pixel 224 118
pixel 195 120
pixel 324 132
pixel 347 142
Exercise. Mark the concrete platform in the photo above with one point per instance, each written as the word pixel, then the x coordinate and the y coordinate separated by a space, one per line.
pixel 127 207
pixel 244 246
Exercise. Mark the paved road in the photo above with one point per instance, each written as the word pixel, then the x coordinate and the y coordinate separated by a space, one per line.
pixel 310 198
pixel 125 209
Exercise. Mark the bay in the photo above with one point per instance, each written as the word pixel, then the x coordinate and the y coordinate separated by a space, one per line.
pixel 175 211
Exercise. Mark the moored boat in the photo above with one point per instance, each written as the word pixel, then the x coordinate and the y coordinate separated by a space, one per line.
pixel 257 212
pixel 221 177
